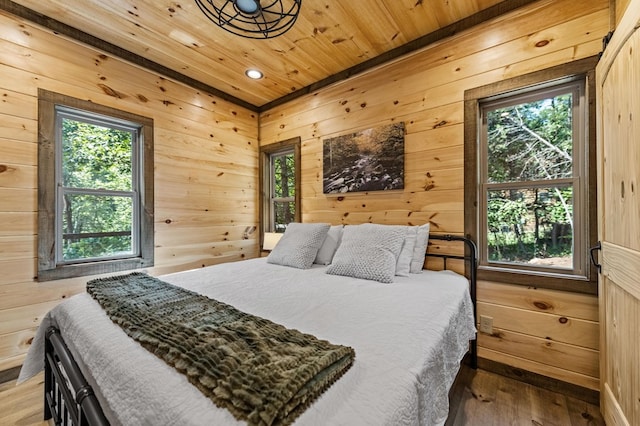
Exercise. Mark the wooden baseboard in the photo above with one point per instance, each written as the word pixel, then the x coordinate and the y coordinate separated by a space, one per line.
pixel 584 394
pixel 10 374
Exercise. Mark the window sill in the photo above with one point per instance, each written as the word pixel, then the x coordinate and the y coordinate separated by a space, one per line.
pixel 92 268
pixel 552 281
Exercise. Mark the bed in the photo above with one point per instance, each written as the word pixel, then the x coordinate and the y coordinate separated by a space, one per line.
pixel 409 337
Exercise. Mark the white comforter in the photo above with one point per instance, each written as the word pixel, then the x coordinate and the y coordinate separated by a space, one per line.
pixel 409 338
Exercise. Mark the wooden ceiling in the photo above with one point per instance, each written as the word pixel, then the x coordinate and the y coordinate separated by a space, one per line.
pixel 331 40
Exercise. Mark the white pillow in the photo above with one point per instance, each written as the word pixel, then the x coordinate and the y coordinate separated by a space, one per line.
pixel 368 251
pixel 419 251
pixel 329 246
pixel 403 267
pixel 299 245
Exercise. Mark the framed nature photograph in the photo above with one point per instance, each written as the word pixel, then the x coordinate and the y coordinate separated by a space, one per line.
pixel 367 160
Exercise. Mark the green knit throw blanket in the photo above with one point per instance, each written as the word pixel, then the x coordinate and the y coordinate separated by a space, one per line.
pixel 260 371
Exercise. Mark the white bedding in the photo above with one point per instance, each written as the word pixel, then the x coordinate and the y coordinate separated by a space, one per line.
pixel 409 337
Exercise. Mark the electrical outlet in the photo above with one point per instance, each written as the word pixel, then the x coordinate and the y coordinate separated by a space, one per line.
pixel 486 324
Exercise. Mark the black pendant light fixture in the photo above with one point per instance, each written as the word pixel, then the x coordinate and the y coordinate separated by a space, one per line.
pixel 252 18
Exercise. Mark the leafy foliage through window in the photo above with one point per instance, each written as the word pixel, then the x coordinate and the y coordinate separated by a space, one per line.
pixel 283 190
pixel 531 178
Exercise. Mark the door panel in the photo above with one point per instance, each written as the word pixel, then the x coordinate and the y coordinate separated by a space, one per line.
pixel 618 99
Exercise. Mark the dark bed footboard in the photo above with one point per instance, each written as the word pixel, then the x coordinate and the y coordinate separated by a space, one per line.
pixel 69 399
pixel 471 257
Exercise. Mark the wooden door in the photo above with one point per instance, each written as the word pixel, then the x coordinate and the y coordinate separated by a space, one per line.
pixel 618 96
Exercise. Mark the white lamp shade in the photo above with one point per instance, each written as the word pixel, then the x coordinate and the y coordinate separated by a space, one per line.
pixel 270 240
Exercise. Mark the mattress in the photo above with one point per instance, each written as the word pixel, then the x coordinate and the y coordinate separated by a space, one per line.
pixel 409 337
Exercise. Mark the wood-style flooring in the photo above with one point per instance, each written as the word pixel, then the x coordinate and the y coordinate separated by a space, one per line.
pixel 22 405
pixel 483 398
pixel 479 398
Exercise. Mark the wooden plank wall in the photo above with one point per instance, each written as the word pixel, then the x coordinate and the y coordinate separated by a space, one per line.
pixel 552 333
pixel 206 160
pixel 620 7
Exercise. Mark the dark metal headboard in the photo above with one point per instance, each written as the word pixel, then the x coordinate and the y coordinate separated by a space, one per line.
pixel 470 256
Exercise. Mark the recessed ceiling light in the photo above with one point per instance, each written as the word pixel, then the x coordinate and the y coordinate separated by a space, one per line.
pixel 254 74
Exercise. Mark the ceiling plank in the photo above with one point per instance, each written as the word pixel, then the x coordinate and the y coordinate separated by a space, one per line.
pixel 419 43
pixel 367 36
pixel 81 36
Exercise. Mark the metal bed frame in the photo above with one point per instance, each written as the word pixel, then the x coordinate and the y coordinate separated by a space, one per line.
pixel 70 400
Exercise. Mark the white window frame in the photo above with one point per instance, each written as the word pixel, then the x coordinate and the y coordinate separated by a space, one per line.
pixel 63 112
pixel 273 199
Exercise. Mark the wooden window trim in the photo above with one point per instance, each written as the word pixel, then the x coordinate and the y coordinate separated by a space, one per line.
pixel 47 267
pixel 472 97
pixel 264 176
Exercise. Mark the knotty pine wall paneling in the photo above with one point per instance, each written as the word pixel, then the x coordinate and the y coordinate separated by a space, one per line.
pixel 552 333
pixel 620 8
pixel 206 162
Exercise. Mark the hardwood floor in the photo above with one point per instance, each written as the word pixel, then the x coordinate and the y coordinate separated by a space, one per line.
pixel 479 398
pixel 483 398
pixel 22 405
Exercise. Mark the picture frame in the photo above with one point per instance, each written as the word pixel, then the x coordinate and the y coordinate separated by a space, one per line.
pixel 363 161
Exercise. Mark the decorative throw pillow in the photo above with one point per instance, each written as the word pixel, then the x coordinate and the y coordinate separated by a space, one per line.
pixel 403 267
pixel 419 251
pixel 299 245
pixel 329 246
pixel 368 251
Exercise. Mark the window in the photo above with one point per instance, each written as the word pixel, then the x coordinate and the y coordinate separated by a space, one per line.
pixel 280 174
pixel 95 189
pixel 282 191
pixel 531 179
pixel 534 214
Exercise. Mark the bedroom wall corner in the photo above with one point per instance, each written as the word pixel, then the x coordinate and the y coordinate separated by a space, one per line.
pixel 425 90
pixel 206 162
